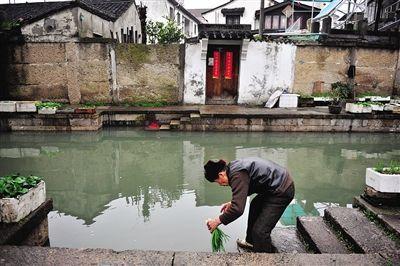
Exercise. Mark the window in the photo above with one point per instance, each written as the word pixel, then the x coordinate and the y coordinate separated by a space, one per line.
pixel 267 22
pixel 171 13
pixel 232 20
pixel 283 22
pixel 187 27
pixel 178 18
pixel 195 29
pixel 275 22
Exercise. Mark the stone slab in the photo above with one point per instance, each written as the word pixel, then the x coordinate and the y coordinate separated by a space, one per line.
pixel 11 255
pixel 15 233
pixel 286 240
pixel 256 259
pixel 320 238
pixel 387 216
pixel 360 232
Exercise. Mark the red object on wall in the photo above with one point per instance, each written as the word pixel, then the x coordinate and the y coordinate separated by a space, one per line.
pixel 228 65
pixel 217 65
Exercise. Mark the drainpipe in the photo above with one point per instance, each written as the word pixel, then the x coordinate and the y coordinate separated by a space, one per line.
pixel 262 18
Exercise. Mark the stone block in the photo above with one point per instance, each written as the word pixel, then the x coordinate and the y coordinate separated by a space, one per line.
pixel 368 58
pixel 40 53
pixel 14 209
pixel 94 71
pixel 93 51
pixel 95 92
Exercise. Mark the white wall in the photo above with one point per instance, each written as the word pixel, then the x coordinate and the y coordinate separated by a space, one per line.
pixel 89 23
pixel 64 22
pixel 268 67
pixel 129 19
pixel 195 75
pixel 250 7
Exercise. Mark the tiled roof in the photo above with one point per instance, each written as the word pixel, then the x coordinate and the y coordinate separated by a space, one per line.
pixel 198 15
pixel 28 12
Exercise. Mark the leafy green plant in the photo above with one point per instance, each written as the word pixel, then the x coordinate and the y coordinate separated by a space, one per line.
pixel 8 25
pixel 42 105
pixel 12 186
pixel 392 169
pixel 365 104
pixel 218 240
pixel 164 33
pixel 342 91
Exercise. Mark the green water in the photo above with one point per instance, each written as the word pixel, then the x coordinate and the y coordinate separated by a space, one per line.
pixel 129 189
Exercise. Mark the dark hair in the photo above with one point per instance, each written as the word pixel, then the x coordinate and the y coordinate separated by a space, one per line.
pixel 212 168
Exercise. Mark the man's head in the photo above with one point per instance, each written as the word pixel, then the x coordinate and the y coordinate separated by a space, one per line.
pixel 215 171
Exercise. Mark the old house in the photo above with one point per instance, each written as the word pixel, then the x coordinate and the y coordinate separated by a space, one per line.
pixel 383 14
pixel 163 10
pixel 61 21
pixel 287 15
pixel 235 12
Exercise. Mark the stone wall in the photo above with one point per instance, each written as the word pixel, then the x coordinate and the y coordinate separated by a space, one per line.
pixel 375 68
pixel 64 72
pixel 149 73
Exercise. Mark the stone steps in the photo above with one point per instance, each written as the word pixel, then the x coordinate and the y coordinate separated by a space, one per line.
pixel 319 236
pixel 388 217
pixel 360 232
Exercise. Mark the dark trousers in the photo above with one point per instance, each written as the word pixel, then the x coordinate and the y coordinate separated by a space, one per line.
pixel 265 212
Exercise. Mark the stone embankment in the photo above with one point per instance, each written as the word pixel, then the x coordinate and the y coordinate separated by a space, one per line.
pixel 367 235
pixel 206 118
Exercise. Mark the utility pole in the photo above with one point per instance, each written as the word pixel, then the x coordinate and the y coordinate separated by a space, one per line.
pixel 262 18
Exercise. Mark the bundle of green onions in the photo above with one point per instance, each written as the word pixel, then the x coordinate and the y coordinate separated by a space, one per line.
pixel 218 239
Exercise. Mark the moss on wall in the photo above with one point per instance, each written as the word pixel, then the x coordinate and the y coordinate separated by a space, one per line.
pixel 136 55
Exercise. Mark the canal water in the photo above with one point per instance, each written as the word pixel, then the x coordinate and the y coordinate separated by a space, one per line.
pixel 130 189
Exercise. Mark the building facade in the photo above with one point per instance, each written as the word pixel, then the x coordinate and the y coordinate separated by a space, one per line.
pixel 161 11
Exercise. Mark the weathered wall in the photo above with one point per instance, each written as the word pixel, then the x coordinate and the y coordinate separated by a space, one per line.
pixel 148 73
pixel 64 72
pixel 267 68
pixel 375 68
pixel 195 75
pixel 57 27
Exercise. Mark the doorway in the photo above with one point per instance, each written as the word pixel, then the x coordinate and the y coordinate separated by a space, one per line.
pixel 222 74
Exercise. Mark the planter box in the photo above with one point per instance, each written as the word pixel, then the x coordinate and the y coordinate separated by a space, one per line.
pixel 47 110
pixel 357 109
pixel 380 99
pixel 288 100
pixel 377 108
pixel 382 182
pixel 323 99
pixel 85 110
pixel 26 106
pixel 14 209
pixel 8 106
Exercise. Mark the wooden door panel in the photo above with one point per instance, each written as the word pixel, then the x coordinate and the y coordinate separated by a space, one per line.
pixel 222 86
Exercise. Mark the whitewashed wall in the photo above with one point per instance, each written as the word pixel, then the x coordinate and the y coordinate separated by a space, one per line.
pixel 268 67
pixel 250 7
pixel 65 26
pixel 90 23
pixel 195 75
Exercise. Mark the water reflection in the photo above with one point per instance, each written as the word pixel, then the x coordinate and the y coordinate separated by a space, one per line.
pixel 126 178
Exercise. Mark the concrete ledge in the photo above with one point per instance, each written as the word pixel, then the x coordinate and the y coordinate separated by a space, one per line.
pixel 16 233
pixel 11 255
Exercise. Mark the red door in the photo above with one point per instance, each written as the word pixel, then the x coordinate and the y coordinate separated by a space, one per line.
pixel 222 74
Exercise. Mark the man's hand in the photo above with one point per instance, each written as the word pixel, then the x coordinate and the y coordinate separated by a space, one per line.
pixel 225 206
pixel 212 224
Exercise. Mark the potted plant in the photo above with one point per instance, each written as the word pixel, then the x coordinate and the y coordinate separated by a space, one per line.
pixel 384 178
pixel 359 107
pixel 19 196
pixel 306 101
pixel 340 92
pixel 48 108
pixel 322 98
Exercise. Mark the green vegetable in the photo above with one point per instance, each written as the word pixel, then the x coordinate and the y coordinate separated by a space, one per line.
pixel 218 239
pixel 12 186
pixel 48 105
pixel 392 169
